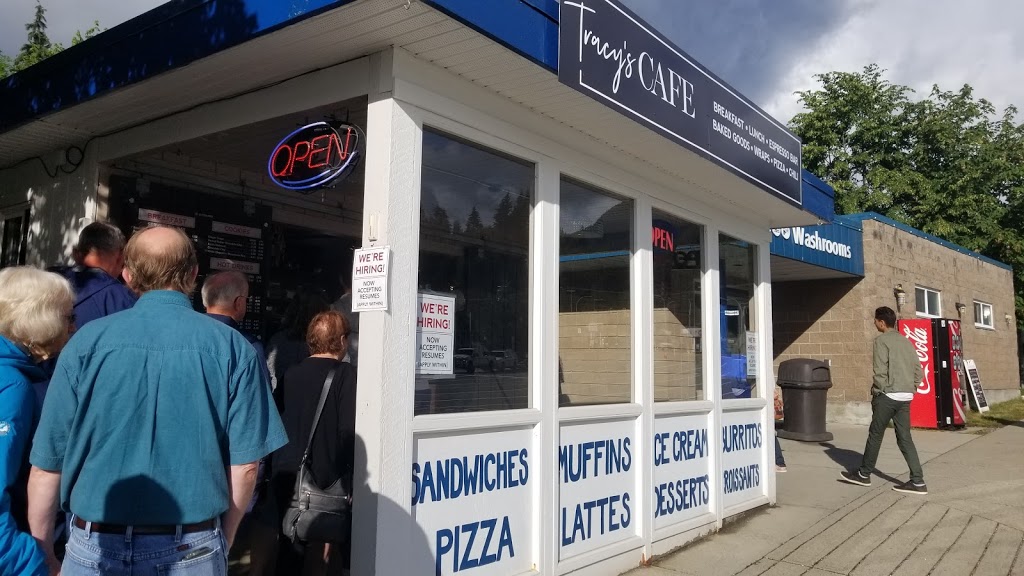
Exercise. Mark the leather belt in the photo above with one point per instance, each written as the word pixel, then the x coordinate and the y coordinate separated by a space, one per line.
pixel 161 529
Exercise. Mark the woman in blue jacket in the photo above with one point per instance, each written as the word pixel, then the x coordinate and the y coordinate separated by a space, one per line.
pixel 36 319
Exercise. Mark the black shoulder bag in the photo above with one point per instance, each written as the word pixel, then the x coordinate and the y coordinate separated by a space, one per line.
pixel 318 514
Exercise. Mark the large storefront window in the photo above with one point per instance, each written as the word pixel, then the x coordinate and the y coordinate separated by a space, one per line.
pixel 473 328
pixel 677 244
pixel 594 326
pixel 740 335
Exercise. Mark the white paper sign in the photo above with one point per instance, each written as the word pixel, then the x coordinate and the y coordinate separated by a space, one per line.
pixel 435 334
pixel 370 279
pixel 473 499
pixel 597 471
pixel 752 354
pixel 743 446
pixel 682 478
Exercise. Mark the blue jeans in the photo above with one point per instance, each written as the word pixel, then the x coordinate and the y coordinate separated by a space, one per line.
pixel 198 553
pixel 780 460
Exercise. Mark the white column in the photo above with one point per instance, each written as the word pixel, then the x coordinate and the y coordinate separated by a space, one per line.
pixel 712 349
pixel 643 363
pixel 383 529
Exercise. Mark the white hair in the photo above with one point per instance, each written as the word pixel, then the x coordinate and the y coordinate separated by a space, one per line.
pixel 222 288
pixel 34 308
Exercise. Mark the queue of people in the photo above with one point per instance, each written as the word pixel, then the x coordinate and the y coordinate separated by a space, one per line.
pixel 160 432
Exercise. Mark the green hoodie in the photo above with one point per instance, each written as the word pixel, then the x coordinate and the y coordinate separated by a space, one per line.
pixel 896 366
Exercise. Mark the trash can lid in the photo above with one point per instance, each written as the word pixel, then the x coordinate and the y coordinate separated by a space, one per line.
pixel 804 371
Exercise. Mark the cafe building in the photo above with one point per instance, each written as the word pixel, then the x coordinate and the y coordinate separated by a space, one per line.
pixel 555 226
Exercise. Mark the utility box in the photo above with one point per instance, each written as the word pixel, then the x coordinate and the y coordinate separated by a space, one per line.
pixel 805 383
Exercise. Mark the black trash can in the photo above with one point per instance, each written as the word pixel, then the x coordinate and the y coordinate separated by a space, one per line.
pixel 805 385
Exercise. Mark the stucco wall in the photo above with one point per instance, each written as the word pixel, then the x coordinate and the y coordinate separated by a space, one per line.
pixel 60 206
pixel 831 319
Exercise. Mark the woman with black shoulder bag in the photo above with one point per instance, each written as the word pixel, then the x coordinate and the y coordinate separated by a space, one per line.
pixel 312 474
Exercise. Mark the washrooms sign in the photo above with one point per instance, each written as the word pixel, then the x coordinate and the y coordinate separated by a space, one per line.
pixel 608 53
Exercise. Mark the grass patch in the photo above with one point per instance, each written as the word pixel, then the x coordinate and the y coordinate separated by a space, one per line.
pixel 1001 414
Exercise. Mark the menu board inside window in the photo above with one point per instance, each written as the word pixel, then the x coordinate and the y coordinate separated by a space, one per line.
pixel 230 234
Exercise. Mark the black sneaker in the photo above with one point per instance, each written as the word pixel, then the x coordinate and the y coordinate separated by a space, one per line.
pixel 911 488
pixel 855 477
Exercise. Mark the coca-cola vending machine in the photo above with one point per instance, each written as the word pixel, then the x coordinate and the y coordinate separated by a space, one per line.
pixel 939 401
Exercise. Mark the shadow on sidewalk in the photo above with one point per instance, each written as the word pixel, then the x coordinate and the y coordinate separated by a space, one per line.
pixel 850 460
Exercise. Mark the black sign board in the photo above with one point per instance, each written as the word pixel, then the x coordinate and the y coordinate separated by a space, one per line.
pixel 608 53
pixel 977 392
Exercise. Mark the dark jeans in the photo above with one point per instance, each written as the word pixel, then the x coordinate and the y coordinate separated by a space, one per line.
pixel 884 410
pixel 780 460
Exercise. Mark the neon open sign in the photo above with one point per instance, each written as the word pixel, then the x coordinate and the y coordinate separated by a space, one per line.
pixel 314 155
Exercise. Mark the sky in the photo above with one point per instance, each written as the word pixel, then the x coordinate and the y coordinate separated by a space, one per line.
pixel 767 49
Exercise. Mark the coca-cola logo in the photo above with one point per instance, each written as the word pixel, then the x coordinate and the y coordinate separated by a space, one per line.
pixel 919 338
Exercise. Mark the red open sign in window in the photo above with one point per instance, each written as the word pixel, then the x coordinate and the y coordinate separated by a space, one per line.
pixel 314 155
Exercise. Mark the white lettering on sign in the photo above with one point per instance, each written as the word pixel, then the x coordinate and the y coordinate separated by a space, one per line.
pixel 919 338
pixel 682 480
pixel 472 497
pixel 237 230
pixel 166 218
pixel 800 237
pixel 435 334
pixel 597 476
pixel 370 279
pixel 743 444
pixel 224 264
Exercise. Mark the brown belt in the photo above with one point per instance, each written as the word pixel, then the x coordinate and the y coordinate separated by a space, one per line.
pixel 104 528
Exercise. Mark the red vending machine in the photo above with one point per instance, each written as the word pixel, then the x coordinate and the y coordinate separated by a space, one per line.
pixel 939 399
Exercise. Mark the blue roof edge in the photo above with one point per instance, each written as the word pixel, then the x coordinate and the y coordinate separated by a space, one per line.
pixel 926 236
pixel 165 38
pixel 818 197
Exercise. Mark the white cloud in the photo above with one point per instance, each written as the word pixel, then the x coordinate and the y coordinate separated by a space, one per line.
pixel 920 43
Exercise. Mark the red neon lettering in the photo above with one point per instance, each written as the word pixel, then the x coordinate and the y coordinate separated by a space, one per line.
pixel 348 143
pixel 286 170
pixel 662 239
pixel 299 158
pixel 316 149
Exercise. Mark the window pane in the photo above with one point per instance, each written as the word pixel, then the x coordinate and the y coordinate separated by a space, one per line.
pixel 594 326
pixel 921 301
pixel 737 314
pixel 677 247
pixel 933 303
pixel 977 313
pixel 474 268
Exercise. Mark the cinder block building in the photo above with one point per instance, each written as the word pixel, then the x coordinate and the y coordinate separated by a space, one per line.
pixel 823 303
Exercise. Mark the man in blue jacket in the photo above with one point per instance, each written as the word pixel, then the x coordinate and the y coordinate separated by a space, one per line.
pixel 99 259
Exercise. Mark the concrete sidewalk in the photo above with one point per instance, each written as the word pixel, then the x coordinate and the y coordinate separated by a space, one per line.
pixel 972 521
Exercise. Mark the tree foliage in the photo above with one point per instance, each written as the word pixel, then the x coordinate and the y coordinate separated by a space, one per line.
pixel 948 164
pixel 38 46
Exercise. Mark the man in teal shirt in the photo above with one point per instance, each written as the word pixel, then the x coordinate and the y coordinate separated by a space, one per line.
pixel 897 372
pixel 152 429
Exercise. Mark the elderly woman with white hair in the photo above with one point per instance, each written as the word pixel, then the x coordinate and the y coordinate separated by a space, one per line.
pixel 36 319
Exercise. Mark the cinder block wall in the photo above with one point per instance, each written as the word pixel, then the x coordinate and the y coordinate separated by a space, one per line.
pixel 595 357
pixel 831 319
pixel 892 256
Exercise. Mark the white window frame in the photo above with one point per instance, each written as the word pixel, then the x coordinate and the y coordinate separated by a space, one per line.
pixel 991 315
pixel 928 313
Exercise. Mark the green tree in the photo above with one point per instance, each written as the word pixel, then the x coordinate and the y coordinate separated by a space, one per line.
pixel 38 46
pixel 947 164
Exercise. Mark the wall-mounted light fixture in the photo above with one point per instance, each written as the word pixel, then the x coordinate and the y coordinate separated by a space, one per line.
pixel 901 297
pixel 1008 318
pixel 960 309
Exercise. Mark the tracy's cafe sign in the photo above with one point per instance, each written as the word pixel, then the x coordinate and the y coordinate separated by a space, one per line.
pixel 314 156
pixel 608 53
